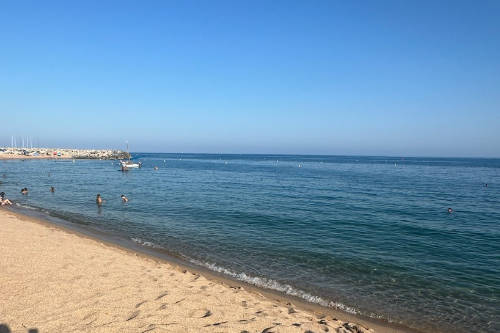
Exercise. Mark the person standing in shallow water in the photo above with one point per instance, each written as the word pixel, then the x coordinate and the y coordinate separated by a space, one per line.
pixel 124 198
pixel 52 189
pixel 98 200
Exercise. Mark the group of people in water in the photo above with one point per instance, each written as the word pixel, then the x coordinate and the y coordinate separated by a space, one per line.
pixel 6 202
pixel 24 191
pixel 99 200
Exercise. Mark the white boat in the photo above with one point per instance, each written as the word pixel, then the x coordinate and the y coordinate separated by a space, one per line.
pixel 130 165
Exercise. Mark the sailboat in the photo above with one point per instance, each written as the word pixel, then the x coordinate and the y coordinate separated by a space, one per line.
pixel 128 164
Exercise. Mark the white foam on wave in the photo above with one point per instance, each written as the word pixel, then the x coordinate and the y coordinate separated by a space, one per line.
pixel 25 206
pixel 275 285
pixel 266 283
pixel 145 243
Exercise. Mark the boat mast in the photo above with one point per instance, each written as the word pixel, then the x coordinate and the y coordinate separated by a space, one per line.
pixel 128 153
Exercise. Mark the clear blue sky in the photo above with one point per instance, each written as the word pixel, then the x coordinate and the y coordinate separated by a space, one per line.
pixel 314 77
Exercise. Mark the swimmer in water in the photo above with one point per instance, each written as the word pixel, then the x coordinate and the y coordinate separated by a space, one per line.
pixel 124 198
pixel 156 168
pixel 24 191
pixel 450 210
pixel 98 200
pixel 52 189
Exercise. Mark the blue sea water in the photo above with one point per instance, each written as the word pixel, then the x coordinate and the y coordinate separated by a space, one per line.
pixel 369 235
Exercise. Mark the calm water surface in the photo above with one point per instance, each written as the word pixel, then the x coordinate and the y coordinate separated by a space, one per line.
pixel 369 235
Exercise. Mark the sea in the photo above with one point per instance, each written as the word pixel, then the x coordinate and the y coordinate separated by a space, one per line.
pixel 370 236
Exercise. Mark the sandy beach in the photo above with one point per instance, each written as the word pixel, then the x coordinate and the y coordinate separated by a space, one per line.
pixel 54 280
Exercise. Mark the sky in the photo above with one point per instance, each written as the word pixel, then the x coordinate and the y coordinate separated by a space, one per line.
pixel 406 78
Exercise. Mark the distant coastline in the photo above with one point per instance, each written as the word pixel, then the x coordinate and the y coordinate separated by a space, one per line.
pixel 61 153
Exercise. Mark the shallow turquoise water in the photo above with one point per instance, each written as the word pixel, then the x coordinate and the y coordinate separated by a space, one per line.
pixel 371 235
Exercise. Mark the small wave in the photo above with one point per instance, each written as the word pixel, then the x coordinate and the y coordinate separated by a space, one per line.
pixel 275 285
pixel 25 206
pixel 145 243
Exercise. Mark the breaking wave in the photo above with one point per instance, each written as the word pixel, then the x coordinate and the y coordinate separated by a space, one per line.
pixel 275 285
pixel 145 243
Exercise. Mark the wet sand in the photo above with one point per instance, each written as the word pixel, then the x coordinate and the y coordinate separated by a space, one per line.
pixel 56 280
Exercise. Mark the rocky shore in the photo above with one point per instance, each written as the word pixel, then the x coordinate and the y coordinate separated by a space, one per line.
pixel 33 153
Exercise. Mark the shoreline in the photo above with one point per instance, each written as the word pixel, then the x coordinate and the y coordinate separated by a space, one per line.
pixel 279 299
pixel 21 157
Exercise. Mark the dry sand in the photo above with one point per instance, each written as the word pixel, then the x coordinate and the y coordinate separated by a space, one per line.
pixel 58 281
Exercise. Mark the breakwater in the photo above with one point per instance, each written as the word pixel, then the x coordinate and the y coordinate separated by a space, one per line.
pixel 23 153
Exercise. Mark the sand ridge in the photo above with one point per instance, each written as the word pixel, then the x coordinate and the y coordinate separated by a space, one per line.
pixel 56 281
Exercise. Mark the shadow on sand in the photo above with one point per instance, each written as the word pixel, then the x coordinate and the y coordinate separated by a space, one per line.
pixel 4 328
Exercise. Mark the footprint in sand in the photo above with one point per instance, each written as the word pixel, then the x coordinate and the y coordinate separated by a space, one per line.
pixel 163 294
pixel 200 313
pixel 140 303
pixel 163 306
pixel 91 315
pixel 133 315
pixel 149 328
pixel 90 318
pixel 261 313
pixel 216 324
pixel 246 321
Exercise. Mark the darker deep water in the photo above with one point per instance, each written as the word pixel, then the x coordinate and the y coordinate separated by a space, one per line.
pixel 367 234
